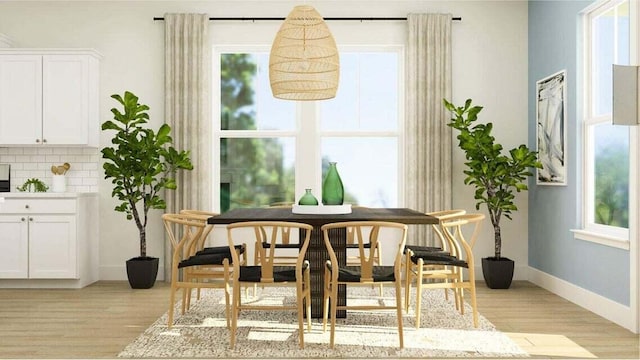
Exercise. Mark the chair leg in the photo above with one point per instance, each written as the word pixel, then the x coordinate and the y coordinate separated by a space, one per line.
pixel 474 306
pixel 184 300
pixel 299 301
pixel 188 297
pixel 407 283
pixel 399 312
pixel 307 283
pixel 172 296
pixel 234 313
pixel 227 303
pixel 325 300
pixel 334 311
pixel 227 295
pixel 460 282
pixel 418 310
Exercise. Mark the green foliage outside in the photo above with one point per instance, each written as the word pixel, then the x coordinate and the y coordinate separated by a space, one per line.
pixel 494 175
pixel 612 187
pixel 254 167
pixel 141 164
pixel 252 170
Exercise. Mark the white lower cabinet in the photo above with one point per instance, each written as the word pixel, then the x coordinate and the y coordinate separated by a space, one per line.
pixel 52 247
pixel 38 247
pixel 47 239
pixel 14 242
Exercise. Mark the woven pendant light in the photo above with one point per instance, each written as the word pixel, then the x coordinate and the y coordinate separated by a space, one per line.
pixel 304 63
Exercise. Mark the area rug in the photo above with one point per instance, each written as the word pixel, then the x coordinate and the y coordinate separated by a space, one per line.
pixel 202 333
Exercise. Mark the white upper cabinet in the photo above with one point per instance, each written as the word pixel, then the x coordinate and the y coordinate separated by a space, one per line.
pixel 49 97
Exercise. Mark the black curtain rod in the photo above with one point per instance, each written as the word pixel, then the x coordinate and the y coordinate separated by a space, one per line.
pixel 327 18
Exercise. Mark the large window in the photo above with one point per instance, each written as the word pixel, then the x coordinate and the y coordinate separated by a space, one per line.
pixel 270 150
pixel 606 153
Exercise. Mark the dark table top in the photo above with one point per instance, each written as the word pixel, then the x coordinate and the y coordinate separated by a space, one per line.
pixel 401 215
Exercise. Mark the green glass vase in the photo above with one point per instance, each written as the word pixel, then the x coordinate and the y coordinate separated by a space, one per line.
pixel 332 188
pixel 308 198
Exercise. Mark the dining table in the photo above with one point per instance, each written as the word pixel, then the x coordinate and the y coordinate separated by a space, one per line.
pixel 317 252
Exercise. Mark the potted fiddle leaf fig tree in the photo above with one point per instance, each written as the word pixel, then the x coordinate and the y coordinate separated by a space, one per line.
pixel 141 164
pixel 496 177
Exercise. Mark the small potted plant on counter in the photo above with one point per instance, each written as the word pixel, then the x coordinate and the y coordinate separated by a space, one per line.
pixel 496 177
pixel 141 165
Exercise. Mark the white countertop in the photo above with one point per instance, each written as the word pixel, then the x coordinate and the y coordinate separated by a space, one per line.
pixel 11 195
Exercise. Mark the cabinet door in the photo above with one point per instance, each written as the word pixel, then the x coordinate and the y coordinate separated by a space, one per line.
pixel 14 247
pixel 52 247
pixel 20 99
pixel 65 93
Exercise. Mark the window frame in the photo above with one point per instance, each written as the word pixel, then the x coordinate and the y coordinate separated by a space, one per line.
pixel 305 132
pixel 598 233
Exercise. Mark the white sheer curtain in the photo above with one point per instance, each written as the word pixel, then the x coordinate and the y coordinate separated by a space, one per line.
pixel 187 109
pixel 427 136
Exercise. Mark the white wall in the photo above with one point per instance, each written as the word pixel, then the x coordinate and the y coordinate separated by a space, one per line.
pixel 489 66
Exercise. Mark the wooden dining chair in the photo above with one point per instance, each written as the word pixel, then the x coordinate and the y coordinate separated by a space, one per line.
pixel 366 273
pixel 198 269
pixel 201 247
pixel 445 270
pixel 268 273
pixel 442 245
pixel 286 248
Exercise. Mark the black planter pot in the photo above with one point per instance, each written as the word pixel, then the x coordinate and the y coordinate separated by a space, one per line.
pixel 142 272
pixel 498 273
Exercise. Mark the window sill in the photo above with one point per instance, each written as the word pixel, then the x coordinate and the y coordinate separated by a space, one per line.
pixel 601 239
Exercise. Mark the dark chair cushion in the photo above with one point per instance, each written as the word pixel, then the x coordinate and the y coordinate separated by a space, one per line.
pixel 205 259
pixel 266 245
pixel 220 250
pixel 353 274
pixel 280 273
pixel 418 248
pixel 438 259
pixel 356 246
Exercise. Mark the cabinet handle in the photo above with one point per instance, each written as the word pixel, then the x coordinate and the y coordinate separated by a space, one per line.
pixel 30 219
pixel 26 206
pixel 44 140
pixel 22 219
pixel 38 140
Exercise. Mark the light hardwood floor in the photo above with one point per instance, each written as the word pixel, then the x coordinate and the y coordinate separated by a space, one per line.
pixel 100 320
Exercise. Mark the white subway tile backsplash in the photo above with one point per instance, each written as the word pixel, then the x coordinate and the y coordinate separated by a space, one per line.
pixel 89 181
pixel 45 151
pixel 74 181
pixel 27 163
pixel 90 166
pixel 52 158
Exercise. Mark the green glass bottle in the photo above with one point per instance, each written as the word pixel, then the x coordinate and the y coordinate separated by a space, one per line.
pixel 308 198
pixel 332 188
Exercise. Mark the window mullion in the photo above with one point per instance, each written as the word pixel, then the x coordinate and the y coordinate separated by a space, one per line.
pixel 308 166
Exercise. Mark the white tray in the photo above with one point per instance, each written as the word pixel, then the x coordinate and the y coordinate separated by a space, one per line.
pixel 321 209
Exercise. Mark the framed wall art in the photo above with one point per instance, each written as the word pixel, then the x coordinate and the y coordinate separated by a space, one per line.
pixel 551 129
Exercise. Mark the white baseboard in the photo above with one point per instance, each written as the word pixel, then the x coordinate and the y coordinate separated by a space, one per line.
pixel 120 273
pixel 598 304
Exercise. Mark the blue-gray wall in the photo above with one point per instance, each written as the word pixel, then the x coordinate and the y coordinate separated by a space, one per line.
pixel 555 44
